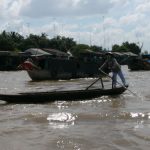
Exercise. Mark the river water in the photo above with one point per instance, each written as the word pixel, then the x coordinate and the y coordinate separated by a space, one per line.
pixel 105 123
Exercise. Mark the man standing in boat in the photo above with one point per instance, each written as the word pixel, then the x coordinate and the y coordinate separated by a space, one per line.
pixel 112 64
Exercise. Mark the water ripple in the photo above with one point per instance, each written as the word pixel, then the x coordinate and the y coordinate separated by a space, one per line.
pixel 128 115
pixel 110 116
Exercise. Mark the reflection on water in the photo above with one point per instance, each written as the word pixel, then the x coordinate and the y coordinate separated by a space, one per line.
pixel 108 122
pixel 61 120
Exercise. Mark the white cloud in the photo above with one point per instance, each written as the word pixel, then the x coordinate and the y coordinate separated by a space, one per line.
pixel 144 7
pixel 110 22
pixel 2 10
pixel 49 8
pixel 10 9
pixel 121 2
pixel 130 19
pixel 116 21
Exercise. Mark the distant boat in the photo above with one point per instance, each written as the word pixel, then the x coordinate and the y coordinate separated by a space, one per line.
pixel 50 96
pixel 55 65
pixel 140 63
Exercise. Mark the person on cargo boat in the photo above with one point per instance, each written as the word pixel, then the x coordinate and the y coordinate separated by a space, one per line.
pixel 112 64
pixel 28 65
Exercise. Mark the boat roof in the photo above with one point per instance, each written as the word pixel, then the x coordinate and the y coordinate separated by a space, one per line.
pixel 55 52
pixel 124 53
pixel 36 52
pixel 90 52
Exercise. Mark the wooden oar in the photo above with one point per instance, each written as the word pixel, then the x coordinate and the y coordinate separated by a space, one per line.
pixel 93 83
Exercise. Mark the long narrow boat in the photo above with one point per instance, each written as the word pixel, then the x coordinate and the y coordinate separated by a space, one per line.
pixel 50 96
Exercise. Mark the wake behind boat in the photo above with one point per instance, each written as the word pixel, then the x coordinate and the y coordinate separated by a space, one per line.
pixel 50 96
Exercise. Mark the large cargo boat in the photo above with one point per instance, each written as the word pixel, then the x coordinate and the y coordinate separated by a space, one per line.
pixel 56 65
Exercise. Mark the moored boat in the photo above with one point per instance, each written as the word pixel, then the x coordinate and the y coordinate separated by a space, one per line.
pixel 50 96
pixel 59 65
pixel 56 68
pixel 140 63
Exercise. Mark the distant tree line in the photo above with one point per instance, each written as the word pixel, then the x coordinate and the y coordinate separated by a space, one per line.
pixel 12 41
pixel 127 47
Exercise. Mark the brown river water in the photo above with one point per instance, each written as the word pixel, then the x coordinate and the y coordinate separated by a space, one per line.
pixel 106 123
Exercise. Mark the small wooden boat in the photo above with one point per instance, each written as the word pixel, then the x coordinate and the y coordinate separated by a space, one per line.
pixel 50 96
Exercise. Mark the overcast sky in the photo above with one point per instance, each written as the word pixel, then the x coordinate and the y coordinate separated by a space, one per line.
pixel 93 22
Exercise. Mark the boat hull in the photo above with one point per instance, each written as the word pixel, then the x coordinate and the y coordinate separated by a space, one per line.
pixel 45 97
pixel 55 69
